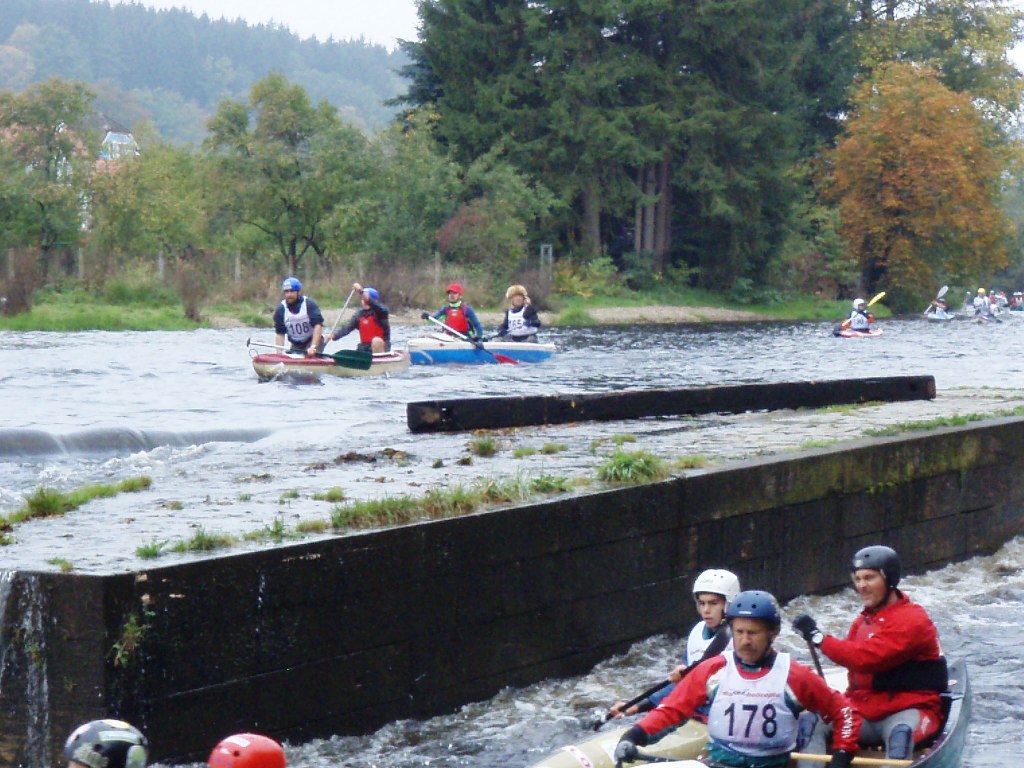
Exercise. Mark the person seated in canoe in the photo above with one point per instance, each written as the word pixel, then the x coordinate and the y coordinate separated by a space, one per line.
pixel 1017 302
pixel 755 694
pixel 521 321
pixel 895 665
pixel 712 591
pixel 982 307
pixel 298 318
pixel 371 320
pixel 459 316
pixel 247 750
pixel 109 743
pixel 860 319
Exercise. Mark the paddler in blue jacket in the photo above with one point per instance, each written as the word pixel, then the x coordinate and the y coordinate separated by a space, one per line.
pixel 298 318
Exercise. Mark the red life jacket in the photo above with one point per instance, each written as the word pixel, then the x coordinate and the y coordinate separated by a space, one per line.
pixel 455 318
pixel 369 328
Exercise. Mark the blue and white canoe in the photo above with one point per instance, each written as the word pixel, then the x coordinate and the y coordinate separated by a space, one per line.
pixel 442 349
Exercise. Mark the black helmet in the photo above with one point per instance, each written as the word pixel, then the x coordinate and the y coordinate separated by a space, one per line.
pixel 754 604
pixel 107 744
pixel 879 558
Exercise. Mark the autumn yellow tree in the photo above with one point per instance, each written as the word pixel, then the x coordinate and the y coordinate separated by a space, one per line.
pixel 916 178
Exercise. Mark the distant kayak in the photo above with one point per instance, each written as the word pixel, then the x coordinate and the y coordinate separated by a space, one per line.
pixel 849 333
pixel 940 316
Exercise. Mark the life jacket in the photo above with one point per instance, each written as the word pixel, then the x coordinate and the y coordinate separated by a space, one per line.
pixel 455 318
pixel 369 328
pixel 752 716
pixel 300 329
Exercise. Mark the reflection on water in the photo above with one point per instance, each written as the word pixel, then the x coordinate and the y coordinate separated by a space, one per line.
pixel 188 384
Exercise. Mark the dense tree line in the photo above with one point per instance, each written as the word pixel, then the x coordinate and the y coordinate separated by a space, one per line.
pixel 279 180
pixel 704 130
pixel 173 67
pixel 816 145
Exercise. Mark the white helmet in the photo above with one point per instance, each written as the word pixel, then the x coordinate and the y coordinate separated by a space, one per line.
pixel 858 303
pixel 718 582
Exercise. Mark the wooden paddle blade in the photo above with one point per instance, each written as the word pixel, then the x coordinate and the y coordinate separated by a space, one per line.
pixel 353 358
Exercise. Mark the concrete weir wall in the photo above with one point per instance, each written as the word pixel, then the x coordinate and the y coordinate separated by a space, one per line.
pixel 344 634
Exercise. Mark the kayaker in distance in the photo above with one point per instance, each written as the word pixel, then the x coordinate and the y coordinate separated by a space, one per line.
pixel 247 750
pixel 459 316
pixel 107 743
pixel 755 696
pixel 371 320
pixel 860 319
pixel 521 321
pixel 896 667
pixel 938 307
pixel 712 591
pixel 298 318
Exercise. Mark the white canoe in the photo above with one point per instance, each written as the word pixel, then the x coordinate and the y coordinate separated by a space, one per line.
pixel 684 743
pixel 275 365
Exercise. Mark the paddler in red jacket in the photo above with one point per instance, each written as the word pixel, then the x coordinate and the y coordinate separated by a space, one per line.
pixel 896 667
pixel 756 695
pixel 371 320
pixel 459 316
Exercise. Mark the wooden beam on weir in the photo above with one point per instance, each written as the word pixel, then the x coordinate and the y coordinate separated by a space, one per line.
pixel 461 414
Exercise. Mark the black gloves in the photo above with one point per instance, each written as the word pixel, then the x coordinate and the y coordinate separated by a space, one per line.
pixel 425 315
pixel 625 751
pixel 842 759
pixel 807 627
pixel 478 344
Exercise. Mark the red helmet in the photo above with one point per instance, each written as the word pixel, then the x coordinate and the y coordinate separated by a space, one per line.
pixel 247 750
pixel 454 288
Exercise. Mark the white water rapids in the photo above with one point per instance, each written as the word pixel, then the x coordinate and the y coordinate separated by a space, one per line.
pixel 227 453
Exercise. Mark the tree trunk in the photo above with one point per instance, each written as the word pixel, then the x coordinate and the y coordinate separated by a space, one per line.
pixel 638 214
pixel 663 211
pixel 591 219
pixel 650 185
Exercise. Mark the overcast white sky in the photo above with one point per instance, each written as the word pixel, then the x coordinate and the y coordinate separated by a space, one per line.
pixel 379 21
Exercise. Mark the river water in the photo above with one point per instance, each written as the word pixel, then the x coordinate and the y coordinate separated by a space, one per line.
pixel 230 454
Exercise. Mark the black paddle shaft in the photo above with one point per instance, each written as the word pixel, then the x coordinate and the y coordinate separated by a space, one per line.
pixel 715 647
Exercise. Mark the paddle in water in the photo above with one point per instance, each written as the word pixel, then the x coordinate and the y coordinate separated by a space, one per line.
pixel 353 358
pixel 346 358
pixel 478 344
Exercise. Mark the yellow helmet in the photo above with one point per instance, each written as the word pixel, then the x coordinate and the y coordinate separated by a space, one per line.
pixel 981 291
pixel 514 290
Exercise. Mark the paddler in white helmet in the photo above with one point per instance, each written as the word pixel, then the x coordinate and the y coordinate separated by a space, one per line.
pixel 713 590
pixel 860 318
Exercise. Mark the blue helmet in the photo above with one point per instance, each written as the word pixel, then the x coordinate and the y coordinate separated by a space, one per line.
pixel 882 559
pixel 755 604
pixel 291 284
pixel 371 293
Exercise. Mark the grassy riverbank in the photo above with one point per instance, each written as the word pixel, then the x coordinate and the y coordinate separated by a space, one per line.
pixel 149 309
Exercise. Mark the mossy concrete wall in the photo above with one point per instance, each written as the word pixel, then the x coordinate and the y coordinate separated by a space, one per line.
pixel 344 634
